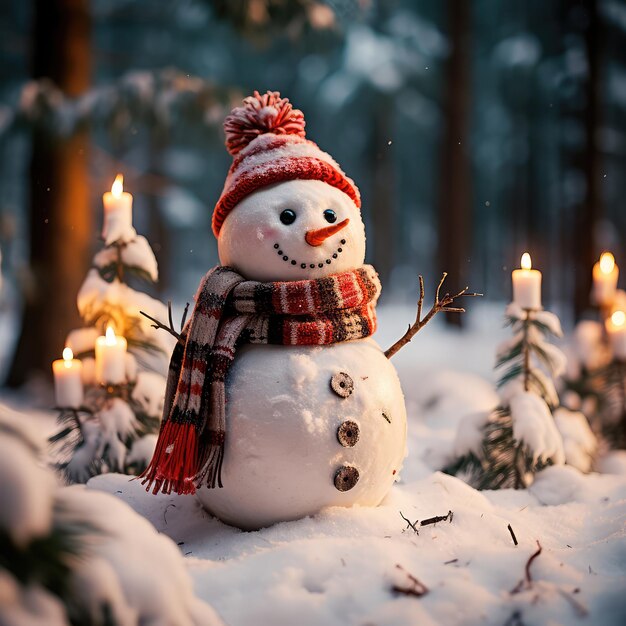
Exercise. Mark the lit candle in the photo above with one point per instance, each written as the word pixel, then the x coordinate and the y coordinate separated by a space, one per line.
pixel 605 275
pixel 118 212
pixel 616 330
pixel 527 285
pixel 68 382
pixel 111 358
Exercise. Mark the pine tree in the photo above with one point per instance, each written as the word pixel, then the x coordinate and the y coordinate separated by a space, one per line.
pixel 507 447
pixel 596 382
pixel 115 430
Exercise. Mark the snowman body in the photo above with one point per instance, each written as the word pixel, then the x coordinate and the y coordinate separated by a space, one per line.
pixel 297 441
pixel 307 427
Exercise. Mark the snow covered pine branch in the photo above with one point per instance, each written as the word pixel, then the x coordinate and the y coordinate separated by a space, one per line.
pixel 441 305
pixel 528 431
pixel 73 555
pixel 114 428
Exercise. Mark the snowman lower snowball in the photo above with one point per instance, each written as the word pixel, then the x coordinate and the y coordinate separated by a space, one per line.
pixel 278 401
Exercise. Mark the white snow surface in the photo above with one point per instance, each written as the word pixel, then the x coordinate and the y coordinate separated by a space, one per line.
pixel 338 567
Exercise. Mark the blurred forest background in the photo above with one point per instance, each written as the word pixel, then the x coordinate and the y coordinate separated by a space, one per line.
pixel 475 131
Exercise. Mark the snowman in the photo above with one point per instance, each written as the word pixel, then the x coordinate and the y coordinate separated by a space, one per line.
pixel 279 402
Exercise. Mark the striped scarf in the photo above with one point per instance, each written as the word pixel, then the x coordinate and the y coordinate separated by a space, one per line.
pixel 229 311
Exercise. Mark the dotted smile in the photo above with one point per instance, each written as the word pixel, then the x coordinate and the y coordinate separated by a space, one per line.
pixel 328 261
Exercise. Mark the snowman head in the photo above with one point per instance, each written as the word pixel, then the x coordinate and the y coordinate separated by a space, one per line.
pixel 287 211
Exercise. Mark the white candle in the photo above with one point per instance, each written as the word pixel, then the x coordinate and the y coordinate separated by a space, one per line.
pixel 118 212
pixel 616 330
pixel 527 285
pixel 68 382
pixel 111 358
pixel 605 275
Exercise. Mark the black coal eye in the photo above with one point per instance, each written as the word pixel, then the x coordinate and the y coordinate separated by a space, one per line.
pixel 288 217
pixel 330 216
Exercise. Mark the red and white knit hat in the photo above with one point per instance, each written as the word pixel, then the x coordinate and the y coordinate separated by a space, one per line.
pixel 267 140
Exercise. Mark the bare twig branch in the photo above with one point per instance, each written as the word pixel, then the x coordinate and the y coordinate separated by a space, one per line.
pixel 184 319
pixel 512 534
pixel 420 302
pixel 526 582
pixel 438 518
pixel 416 588
pixel 170 329
pixel 441 304
pixel 169 313
pixel 157 324
pixel 410 524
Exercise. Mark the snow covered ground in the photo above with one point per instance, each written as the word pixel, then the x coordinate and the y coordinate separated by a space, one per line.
pixel 341 566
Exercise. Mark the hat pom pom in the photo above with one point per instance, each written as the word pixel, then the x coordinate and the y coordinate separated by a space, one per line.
pixel 260 114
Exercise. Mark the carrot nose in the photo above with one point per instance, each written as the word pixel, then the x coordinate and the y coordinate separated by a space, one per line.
pixel 317 237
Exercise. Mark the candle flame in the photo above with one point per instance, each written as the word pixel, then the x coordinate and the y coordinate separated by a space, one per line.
pixel 110 335
pixel 68 355
pixel 526 262
pixel 118 186
pixel 607 262
pixel 618 318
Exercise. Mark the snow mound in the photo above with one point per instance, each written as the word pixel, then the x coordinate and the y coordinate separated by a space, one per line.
pixel 136 571
pixel 26 489
pixel 87 557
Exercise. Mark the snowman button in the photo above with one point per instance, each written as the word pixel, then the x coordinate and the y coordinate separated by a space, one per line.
pixel 342 384
pixel 348 434
pixel 346 477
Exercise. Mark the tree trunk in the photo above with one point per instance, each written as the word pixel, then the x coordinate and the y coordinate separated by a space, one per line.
pixel 455 229
pixel 159 232
pixel 382 187
pixel 590 211
pixel 60 216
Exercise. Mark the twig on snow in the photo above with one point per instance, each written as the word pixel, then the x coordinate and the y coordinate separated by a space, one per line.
pixel 438 518
pixel 526 582
pixel 512 534
pixel 410 524
pixel 416 588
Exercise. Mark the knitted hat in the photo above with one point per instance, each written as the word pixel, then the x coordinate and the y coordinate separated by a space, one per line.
pixel 267 140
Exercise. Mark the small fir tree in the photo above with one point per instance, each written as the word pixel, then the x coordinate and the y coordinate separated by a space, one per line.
pixel 508 446
pixel 596 381
pixel 116 428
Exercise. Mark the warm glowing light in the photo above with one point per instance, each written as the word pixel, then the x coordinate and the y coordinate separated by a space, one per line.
pixel 118 186
pixel 618 318
pixel 110 336
pixel 607 262
pixel 526 262
pixel 68 355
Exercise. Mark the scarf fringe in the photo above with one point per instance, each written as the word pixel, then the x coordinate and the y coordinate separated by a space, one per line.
pixel 211 471
pixel 173 461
